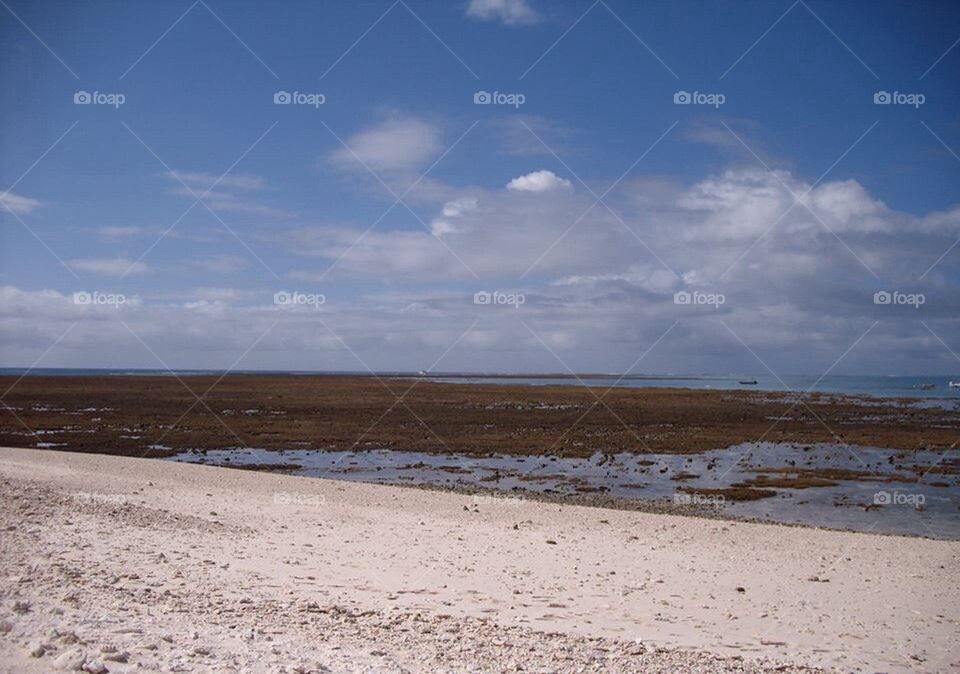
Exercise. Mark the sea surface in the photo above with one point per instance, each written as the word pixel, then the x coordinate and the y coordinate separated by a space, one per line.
pixel 874 385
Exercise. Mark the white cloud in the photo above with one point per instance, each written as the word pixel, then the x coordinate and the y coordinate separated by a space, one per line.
pixel 538 181
pixel 18 203
pixel 219 200
pixel 199 180
pixel 393 145
pixel 120 232
pixel 116 266
pixel 226 193
pixel 596 292
pixel 451 215
pixel 220 264
pixel 511 12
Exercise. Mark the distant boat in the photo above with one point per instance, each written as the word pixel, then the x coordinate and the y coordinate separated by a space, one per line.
pixel 955 384
pixel 422 373
pixel 752 382
pixel 927 387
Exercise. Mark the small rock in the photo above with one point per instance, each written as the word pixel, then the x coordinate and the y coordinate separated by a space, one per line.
pixel 95 667
pixel 70 661
pixel 122 656
pixel 37 649
pixel 69 637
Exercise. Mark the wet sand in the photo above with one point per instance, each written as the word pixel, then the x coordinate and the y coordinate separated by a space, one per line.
pixel 158 416
pixel 167 565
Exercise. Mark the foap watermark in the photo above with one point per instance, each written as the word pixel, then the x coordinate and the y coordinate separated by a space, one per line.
pixel 697 298
pixel 498 98
pixel 682 498
pixel 296 298
pixel 298 98
pixel 499 298
pixel 99 299
pixel 897 298
pixel 293 498
pixel 98 98
pixel 898 98
pixel 97 497
pixel 899 498
pixel 698 98
pixel 492 500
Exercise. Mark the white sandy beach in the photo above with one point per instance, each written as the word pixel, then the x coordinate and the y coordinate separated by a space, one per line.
pixel 121 564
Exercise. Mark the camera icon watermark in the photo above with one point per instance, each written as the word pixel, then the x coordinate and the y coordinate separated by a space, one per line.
pixel 498 98
pixel 298 98
pixel 697 298
pixel 98 98
pixel 498 298
pixel 98 497
pixel 292 498
pixel 698 98
pixel 681 498
pixel 99 299
pixel 284 298
pixel 898 98
pixel 897 298
pixel 491 500
pixel 885 498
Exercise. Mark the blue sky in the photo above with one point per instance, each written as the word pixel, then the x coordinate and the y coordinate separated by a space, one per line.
pixel 784 190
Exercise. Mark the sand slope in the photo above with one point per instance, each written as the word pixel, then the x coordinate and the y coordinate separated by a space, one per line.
pixel 195 568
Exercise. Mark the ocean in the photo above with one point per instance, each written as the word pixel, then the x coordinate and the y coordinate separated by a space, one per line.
pixel 935 387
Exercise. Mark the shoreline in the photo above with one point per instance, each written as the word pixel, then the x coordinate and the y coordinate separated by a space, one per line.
pixel 600 501
pixel 518 580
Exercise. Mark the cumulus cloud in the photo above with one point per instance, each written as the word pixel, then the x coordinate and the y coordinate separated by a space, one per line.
pixel 398 144
pixel 722 233
pixel 539 181
pixel 599 286
pixel 17 203
pixel 113 266
pixel 510 12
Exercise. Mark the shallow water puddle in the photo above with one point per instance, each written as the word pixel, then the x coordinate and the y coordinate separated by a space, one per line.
pixel 837 486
